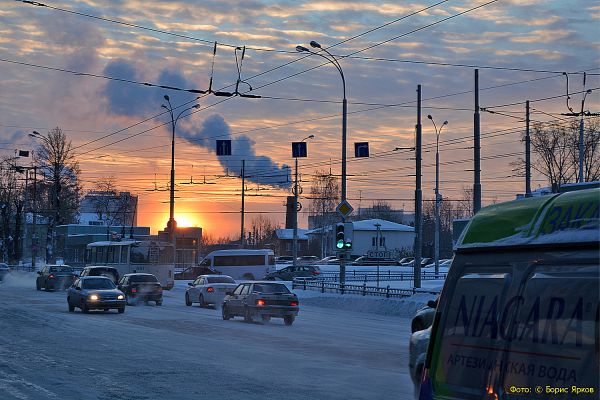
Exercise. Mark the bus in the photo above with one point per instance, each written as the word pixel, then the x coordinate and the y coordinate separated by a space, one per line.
pixel 241 263
pixel 518 317
pixel 127 256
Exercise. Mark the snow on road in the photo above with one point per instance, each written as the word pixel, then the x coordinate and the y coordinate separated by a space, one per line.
pixel 179 352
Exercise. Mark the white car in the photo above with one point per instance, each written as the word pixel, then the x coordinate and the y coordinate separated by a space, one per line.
pixel 209 289
pixel 419 341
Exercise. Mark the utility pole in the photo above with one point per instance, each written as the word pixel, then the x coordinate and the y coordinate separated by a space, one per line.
pixel 418 195
pixel 25 233
pixel 295 237
pixel 378 226
pixel 476 150
pixel 527 153
pixel 242 236
pixel 34 236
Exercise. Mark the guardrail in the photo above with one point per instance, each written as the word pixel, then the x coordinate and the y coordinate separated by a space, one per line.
pixel 370 276
pixel 364 290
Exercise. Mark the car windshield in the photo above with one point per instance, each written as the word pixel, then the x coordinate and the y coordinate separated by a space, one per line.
pixel 143 278
pixel 270 288
pixel 61 269
pixel 220 279
pixel 97 283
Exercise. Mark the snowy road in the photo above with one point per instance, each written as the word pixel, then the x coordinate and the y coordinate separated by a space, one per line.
pixel 179 352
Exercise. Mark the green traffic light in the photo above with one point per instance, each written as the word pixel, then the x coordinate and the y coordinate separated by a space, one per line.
pixel 340 244
pixel 348 245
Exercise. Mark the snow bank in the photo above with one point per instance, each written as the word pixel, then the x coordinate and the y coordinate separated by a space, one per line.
pixel 19 280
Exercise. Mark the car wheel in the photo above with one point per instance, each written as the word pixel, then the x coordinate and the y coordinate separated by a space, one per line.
pixel 288 320
pixel 71 307
pixel 188 301
pixel 37 285
pixel 121 310
pixel 248 316
pixel 46 288
pixel 224 313
pixel 159 302
pixel 266 318
pixel 84 308
pixel 201 301
pixel 417 325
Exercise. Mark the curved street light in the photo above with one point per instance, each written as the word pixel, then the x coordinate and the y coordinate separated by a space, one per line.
pixel 172 224
pixel 437 193
pixel 331 59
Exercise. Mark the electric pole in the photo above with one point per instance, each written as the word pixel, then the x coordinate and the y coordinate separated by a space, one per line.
pixel 242 236
pixel 476 150
pixel 418 195
pixel 527 152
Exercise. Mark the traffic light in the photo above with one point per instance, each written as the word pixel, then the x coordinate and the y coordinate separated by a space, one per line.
pixel 339 236
pixel 348 235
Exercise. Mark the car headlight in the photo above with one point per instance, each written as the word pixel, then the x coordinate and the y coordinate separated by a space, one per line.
pixel 120 297
pixel 94 297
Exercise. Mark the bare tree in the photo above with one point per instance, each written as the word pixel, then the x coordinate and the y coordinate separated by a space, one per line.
pixel 9 198
pixel 383 210
pixel 111 206
pixel 262 231
pixel 60 169
pixel 324 197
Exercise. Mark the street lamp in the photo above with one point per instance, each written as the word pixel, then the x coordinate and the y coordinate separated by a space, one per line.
pixel 295 238
pixel 331 58
pixel 437 193
pixel 34 237
pixel 172 224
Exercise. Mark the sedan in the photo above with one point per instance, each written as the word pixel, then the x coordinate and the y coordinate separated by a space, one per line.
pixel 95 293
pixel 289 273
pixel 141 287
pixel 265 300
pixel 208 289
pixel 53 277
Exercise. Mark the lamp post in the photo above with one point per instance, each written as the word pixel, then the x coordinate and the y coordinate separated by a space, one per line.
pixel 295 238
pixel 330 58
pixel 437 193
pixel 172 224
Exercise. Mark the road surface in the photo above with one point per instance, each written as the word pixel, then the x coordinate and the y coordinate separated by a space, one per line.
pixel 179 352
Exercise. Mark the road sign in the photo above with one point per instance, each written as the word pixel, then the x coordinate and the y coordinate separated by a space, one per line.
pixel 223 147
pixel 344 208
pixel 298 149
pixel 381 254
pixel 361 149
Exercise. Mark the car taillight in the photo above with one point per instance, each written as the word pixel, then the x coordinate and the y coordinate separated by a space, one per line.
pixel 51 276
pixel 210 289
pixel 316 272
pixel 293 303
pixel 260 302
pixel 133 290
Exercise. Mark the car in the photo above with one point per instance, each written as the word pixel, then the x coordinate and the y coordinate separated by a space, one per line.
pixel 364 260
pixel 95 293
pixel 194 272
pixel 291 272
pixel 284 260
pixel 209 289
pixel 417 354
pixel 102 270
pixel 53 277
pixel 444 262
pixel 141 287
pixel 307 260
pixel 405 261
pixel 424 262
pixel 4 270
pixel 263 300
pixel 424 317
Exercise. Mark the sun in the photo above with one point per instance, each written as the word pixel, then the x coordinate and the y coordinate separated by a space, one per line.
pixel 186 220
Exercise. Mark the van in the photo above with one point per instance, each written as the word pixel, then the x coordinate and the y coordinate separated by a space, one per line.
pixel 102 270
pixel 241 263
pixel 518 314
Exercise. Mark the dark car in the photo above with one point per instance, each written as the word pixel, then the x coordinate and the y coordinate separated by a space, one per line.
pixel 95 293
pixel 289 273
pixel 194 272
pixel 261 299
pixel 101 270
pixel 141 287
pixel 53 277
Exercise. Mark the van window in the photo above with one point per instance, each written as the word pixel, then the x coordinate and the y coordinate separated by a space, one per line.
pixel 271 259
pixel 524 330
pixel 235 261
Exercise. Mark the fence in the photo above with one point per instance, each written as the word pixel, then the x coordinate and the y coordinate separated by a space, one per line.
pixel 369 276
pixel 364 290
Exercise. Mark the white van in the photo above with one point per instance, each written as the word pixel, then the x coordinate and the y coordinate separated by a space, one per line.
pixel 518 316
pixel 241 263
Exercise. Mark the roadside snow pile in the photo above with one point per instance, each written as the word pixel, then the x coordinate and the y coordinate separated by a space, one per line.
pixel 19 279
pixel 403 307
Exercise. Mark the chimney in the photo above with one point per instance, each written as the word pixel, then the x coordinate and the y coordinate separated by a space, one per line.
pixel 289 213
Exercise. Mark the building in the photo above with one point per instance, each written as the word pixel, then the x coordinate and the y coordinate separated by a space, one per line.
pixel 396 239
pixel 285 240
pixel 187 244
pixel 108 208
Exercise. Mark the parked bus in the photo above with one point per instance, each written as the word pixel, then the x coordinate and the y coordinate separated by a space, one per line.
pixel 149 256
pixel 518 317
pixel 241 263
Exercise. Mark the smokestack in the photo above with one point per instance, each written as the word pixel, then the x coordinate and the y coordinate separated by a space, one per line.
pixel 289 213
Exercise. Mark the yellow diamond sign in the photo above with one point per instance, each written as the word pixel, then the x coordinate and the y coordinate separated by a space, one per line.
pixel 344 208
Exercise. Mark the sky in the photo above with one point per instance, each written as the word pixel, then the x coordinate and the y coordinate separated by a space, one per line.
pixel 82 65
